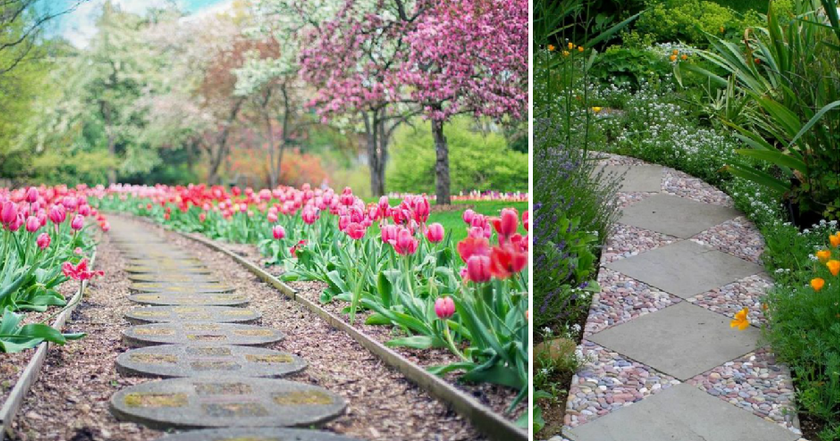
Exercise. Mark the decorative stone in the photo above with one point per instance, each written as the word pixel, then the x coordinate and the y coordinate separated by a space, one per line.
pixel 167 287
pixel 213 314
pixel 174 277
pixel 151 268
pixel 164 263
pixel 190 299
pixel 256 434
pixel 169 361
pixel 191 403
pixel 196 333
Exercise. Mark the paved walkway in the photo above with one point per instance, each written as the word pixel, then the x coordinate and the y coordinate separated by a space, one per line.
pixel 664 363
pixel 191 331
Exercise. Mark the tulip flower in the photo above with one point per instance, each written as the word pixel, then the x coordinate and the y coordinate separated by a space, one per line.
pixel 444 307
pixel 32 195
pixel 817 284
pixel 57 214
pixel 202 217
pixel 278 232
pixel 8 213
pixel 434 232
pixel 389 233
pixel 80 271
pixel 78 222
pixel 43 241
pixel 355 230
pixel 473 246
pixel 406 243
pixel 105 226
pixel 421 209
pixel 478 268
pixel 526 220
pixel 507 224
pixel 32 224
pixel 468 216
pixel 505 261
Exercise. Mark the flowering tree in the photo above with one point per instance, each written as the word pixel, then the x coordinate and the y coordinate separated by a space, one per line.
pixel 468 56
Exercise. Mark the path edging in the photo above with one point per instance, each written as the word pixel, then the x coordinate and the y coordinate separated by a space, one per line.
pixel 483 418
pixel 30 374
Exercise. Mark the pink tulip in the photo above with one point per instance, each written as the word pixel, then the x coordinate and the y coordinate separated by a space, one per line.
pixel 84 210
pixel 406 243
pixel 444 307
pixel 32 224
pixel 265 194
pixel 507 224
pixel 78 222
pixel 468 216
pixel 421 209
pixel 43 241
pixel 271 217
pixel 389 234
pixel 434 232
pixel 9 212
pixel 355 230
pixel 278 232
pixel 32 195
pixel 69 202
pixel 15 225
pixel 526 220
pixel 384 205
pixel 478 268
pixel 106 226
pixel 202 217
pixel 57 214
pixel 309 215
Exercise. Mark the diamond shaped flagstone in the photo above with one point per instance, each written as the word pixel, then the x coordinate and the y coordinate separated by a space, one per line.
pixel 681 413
pixel 685 268
pixel 643 178
pixel 675 216
pixel 681 340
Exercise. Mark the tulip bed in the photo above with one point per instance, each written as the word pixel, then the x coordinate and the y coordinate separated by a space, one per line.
pixel 404 271
pixel 44 243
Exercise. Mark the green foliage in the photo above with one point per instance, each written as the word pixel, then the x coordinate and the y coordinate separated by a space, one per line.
pixel 689 20
pixel 628 65
pixel 477 160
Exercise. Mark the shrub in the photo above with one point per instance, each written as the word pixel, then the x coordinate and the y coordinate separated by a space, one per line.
pixel 689 20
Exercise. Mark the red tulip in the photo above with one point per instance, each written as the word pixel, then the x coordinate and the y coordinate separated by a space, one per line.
pixel 202 217
pixel 434 232
pixel 32 224
pixel 105 226
pixel 78 222
pixel 444 307
pixel 278 232
pixel 507 224
pixel 80 271
pixel 505 261
pixel 43 241
pixel 473 246
pixel 478 268
pixel 406 243
pixel 526 220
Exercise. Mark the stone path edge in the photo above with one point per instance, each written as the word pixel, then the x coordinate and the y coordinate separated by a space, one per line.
pixel 486 421
pixel 10 407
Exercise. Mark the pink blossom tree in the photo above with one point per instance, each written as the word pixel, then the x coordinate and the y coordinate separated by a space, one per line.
pixel 467 56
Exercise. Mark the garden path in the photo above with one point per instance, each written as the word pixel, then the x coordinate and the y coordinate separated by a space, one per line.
pixel 194 334
pixel 663 361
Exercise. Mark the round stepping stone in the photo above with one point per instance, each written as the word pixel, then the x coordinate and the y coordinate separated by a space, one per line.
pixel 200 333
pixel 174 277
pixel 192 403
pixel 177 288
pixel 256 434
pixel 165 263
pixel 189 299
pixel 194 361
pixel 210 314
pixel 157 270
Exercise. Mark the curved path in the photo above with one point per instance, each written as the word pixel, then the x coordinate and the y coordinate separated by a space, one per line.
pixel 663 361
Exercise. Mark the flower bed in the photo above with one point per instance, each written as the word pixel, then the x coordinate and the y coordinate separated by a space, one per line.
pixel 387 265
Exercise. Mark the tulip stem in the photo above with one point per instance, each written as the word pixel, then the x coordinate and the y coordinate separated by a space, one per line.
pixel 451 343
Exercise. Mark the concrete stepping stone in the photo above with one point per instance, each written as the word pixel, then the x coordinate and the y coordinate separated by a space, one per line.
pixel 256 434
pixel 201 314
pixel 165 299
pixel 178 287
pixel 200 333
pixel 682 340
pixel 675 216
pixel 639 178
pixel 682 413
pixel 192 403
pixel 169 361
pixel 166 264
pixel 685 268
pixel 150 268
pixel 174 277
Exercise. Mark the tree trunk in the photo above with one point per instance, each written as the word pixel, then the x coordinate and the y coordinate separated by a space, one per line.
pixel 442 183
pixel 221 152
pixel 284 138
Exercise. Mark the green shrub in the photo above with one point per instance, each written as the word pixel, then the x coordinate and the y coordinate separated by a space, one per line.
pixel 629 65
pixel 477 160
pixel 689 20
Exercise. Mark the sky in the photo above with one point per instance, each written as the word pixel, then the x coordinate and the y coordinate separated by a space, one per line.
pixel 80 25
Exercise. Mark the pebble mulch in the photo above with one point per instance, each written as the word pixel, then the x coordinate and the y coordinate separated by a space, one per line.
pixel 612 159
pixel 627 199
pixel 623 298
pixel 738 237
pixel 608 381
pixel 754 383
pixel 681 184
pixel 626 241
pixel 731 298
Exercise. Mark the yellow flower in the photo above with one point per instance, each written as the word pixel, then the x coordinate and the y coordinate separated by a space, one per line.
pixel 823 255
pixel 833 267
pixel 596 109
pixel 722 29
pixel 817 284
pixel 551 48
pixel 675 52
pixel 835 239
pixel 684 57
pixel 741 322
pixel 571 45
pixel 580 48
pixel 673 57
pixel 565 53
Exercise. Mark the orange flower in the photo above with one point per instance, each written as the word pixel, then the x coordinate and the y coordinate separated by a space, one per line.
pixel 684 57
pixel 580 48
pixel 551 48
pixel 741 322
pixel 757 61
pixel 571 45
pixel 823 255
pixel 817 284
pixel 565 53
pixel 835 239
pixel 675 52
pixel 673 57
pixel 833 267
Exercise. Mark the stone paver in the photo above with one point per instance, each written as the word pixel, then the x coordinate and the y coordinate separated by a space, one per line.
pixel 681 340
pixel 192 403
pixel 173 277
pixel 190 299
pixel 642 178
pixel 193 361
pixel 682 413
pixel 155 269
pixel 685 268
pixel 180 287
pixel 256 434
pixel 200 333
pixel 201 314
pixel 675 216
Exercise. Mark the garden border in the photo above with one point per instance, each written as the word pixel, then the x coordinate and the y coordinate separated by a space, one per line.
pixel 482 417
pixel 10 407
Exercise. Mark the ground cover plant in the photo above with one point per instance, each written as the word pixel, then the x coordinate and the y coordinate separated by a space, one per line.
pixel 468 296
pixel 45 242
